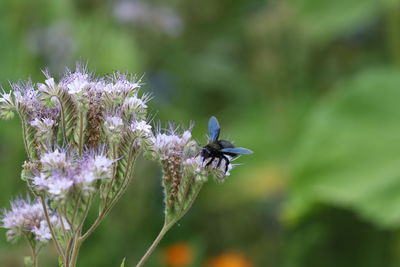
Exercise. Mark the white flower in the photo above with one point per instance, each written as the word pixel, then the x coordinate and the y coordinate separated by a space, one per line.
pixel 55 159
pixel 122 85
pixel 162 142
pixel 43 125
pixel 171 145
pixel 109 88
pixel 114 124
pixel 26 95
pixel 59 185
pixel 133 103
pixel 6 98
pixel 141 126
pixel 40 181
pixel 102 164
pixel 78 85
pixel 86 177
pixel 49 83
pixel 28 217
pixel 42 233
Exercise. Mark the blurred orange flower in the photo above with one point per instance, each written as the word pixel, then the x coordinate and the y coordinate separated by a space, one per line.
pixel 179 255
pixel 229 259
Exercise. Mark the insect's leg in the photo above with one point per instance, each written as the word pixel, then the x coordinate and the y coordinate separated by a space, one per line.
pixel 208 163
pixel 219 161
pixel 226 163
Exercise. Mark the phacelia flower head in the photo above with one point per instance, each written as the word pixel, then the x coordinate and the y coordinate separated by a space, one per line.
pixel 141 128
pixel 170 142
pixel 77 82
pixel 121 83
pixel 27 218
pixel 7 105
pixel 26 95
pixel 114 124
pixel 64 173
pixel 135 106
pixel 56 159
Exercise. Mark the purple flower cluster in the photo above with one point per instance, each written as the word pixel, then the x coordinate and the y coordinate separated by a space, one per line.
pixel 176 149
pixel 117 96
pixel 63 172
pixel 28 218
pixel 82 136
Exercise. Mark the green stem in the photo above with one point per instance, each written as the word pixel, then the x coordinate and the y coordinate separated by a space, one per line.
pixel 77 203
pixel 34 252
pixel 80 133
pixel 24 136
pixel 64 127
pixel 53 235
pixel 68 250
pixel 155 243
pixel 109 205
pixel 75 250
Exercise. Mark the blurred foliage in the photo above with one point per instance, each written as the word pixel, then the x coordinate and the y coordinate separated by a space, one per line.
pixel 349 156
pixel 311 86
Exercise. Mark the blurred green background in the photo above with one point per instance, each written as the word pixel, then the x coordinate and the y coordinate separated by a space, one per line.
pixel 312 86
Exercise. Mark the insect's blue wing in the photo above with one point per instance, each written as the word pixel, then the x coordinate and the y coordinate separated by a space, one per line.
pixel 213 128
pixel 237 150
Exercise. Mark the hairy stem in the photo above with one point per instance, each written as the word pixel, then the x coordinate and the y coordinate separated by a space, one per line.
pixel 80 133
pixel 109 205
pixel 155 243
pixel 24 136
pixel 75 249
pixel 53 235
pixel 64 127
pixel 34 252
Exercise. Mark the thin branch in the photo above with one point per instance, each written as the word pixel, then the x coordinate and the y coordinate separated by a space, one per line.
pixel 46 214
pixel 155 243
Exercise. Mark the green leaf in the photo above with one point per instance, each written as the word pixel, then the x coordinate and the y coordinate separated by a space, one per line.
pixel 349 155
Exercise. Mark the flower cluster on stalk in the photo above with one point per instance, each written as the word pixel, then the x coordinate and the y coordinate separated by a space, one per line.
pixel 184 170
pixel 27 218
pixel 64 173
pixel 82 136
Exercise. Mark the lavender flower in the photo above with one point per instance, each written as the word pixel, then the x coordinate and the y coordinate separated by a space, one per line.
pixel 171 143
pixel 83 135
pixel 63 174
pixel 122 83
pixel 26 95
pixel 141 128
pixel 7 105
pixel 49 85
pixel 54 160
pixel 28 218
pixel 114 124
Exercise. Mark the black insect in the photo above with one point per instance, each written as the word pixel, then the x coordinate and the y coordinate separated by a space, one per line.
pixel 220 149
